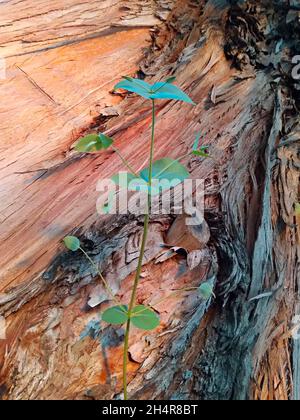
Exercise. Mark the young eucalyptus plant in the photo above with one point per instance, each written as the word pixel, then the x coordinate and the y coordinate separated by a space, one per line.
pixel 140 316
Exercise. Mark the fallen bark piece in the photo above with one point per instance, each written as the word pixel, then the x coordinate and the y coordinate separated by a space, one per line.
pixel 189 237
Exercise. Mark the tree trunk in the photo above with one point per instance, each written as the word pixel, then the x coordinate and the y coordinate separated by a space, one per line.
pixel 235 60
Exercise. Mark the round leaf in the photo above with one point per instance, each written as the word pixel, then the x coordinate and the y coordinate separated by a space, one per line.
pixel 115 315
pixel 93 143
pixel 105 142
pixel 144 318
pixel 72 243
pixel 166 168
pixel 87 143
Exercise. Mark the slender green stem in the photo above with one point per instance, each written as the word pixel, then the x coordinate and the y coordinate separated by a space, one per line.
pixel 141 257
pixel 125 358
pixel 125 161
pixel 108 289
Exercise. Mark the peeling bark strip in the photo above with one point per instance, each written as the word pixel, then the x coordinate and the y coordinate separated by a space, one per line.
pixel 235 61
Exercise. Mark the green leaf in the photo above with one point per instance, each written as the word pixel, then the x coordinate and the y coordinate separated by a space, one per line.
pixel 206 290
pixel 166 169
pixel 171 79
pixel 138 82
pixel 166 173
pixel 87 143
pixel 200 153
pixel 93 143
pixel 196 142
pixel 159 90
pixel 159 85
pixel 136 86
pixel 297 209
pixel 105 142
pixel 165 90
pixel 72 243
pixel 144 318
pixel 116 315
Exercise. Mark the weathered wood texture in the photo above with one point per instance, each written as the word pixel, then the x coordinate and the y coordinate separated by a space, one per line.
pixel 63 60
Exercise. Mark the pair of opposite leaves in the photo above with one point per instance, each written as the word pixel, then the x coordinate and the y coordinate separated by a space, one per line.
pixel 141 316
pixel 165 169
pixel 159 90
